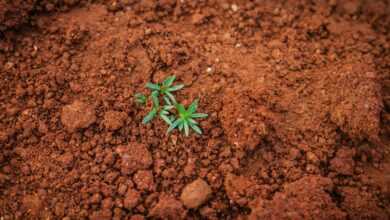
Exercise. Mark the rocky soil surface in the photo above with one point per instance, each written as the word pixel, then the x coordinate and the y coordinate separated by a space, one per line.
pixel 297 92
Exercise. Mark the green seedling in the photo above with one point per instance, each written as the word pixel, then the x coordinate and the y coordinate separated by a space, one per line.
pixel 140 98
pixel 186 118
pixel 166 88
pixel 155 108
pixel 163 111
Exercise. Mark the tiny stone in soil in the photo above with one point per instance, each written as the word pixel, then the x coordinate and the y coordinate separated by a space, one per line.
pixel 131 199
pixel 77 115
pixel 195 193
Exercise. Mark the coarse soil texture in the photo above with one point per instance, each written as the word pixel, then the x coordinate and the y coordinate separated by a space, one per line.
pixel 297 92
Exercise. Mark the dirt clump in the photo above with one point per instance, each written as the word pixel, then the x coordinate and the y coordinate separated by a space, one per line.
pixel 77 115
pixel 343 163
pixel 244 129
pixel 241 189
pixel 14 13
pixel 133 157
pixel 113 120
pixel 32 204
pixel 349 111
pixel 296 92
pixel 195 193
pixel 132 198
pixel 361 205
pixel 143 179
pixel 168 208
pixel 306 198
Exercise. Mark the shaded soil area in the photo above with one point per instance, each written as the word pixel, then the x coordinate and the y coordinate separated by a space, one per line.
pixel 297 92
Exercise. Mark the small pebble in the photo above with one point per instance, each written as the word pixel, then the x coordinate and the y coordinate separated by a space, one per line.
pixel 234 7
pixel 195 193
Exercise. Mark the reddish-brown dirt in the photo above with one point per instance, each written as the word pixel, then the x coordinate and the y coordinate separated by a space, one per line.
pixel 297 92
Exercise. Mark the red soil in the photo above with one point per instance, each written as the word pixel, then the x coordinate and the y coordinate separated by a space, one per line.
pixel 297 92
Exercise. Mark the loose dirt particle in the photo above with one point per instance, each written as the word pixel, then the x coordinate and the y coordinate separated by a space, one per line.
pixel 32 204
pixel 107 203
pixel 122 188
pixel 198 18
pixel 96 198
pixel 343 163
pixel 134 156
pixel 244 129
pixel 77 115
pixel 306 198
pixel 168 208
pixel 131 199
pixel 196 193
pixel 66 159
pixel 143 179
pixel 361 205
pixel 113 120
pixel 101 215
pixel 240 189
pixel 137 217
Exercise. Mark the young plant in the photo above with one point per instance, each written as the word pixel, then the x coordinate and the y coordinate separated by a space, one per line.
pixel 163 111
pixel 166 88
pixel 140 98
pixel 155 108
pixel 186 119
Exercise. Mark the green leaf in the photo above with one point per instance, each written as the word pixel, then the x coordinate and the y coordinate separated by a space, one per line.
pixel 186 128
pixel 155 100
pixel 172 118
pixel 163 112
pixel 166 119
pixel 199 115
pixel 149 116
pixel 168 107
pixel 140 98
pixel 168 81
pixel 174 125
pixel 171 96
pixel 192 121
pixel 196 128
pixel 193 106
pixel 167 101
pixel 152 86
pixel 180 108
pixel 175 88
pixel 181 126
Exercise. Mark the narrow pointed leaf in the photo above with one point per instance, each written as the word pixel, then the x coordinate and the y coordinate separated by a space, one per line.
pixel 175 88
pixel 199 115
pixel 152 86
pixel 140 98
pixel 171 97
pixel 167 100
pixel 186 128
pixel 149 116
pixel 173 125
pixel 180 108
pixel 163 112
pixel 192 121
pixel 166 119
pixel 169 80
pixel 168 107
pixel 172 118
pixel 193 106
pixel 196 128
pixel 155 100
pixel 181 126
